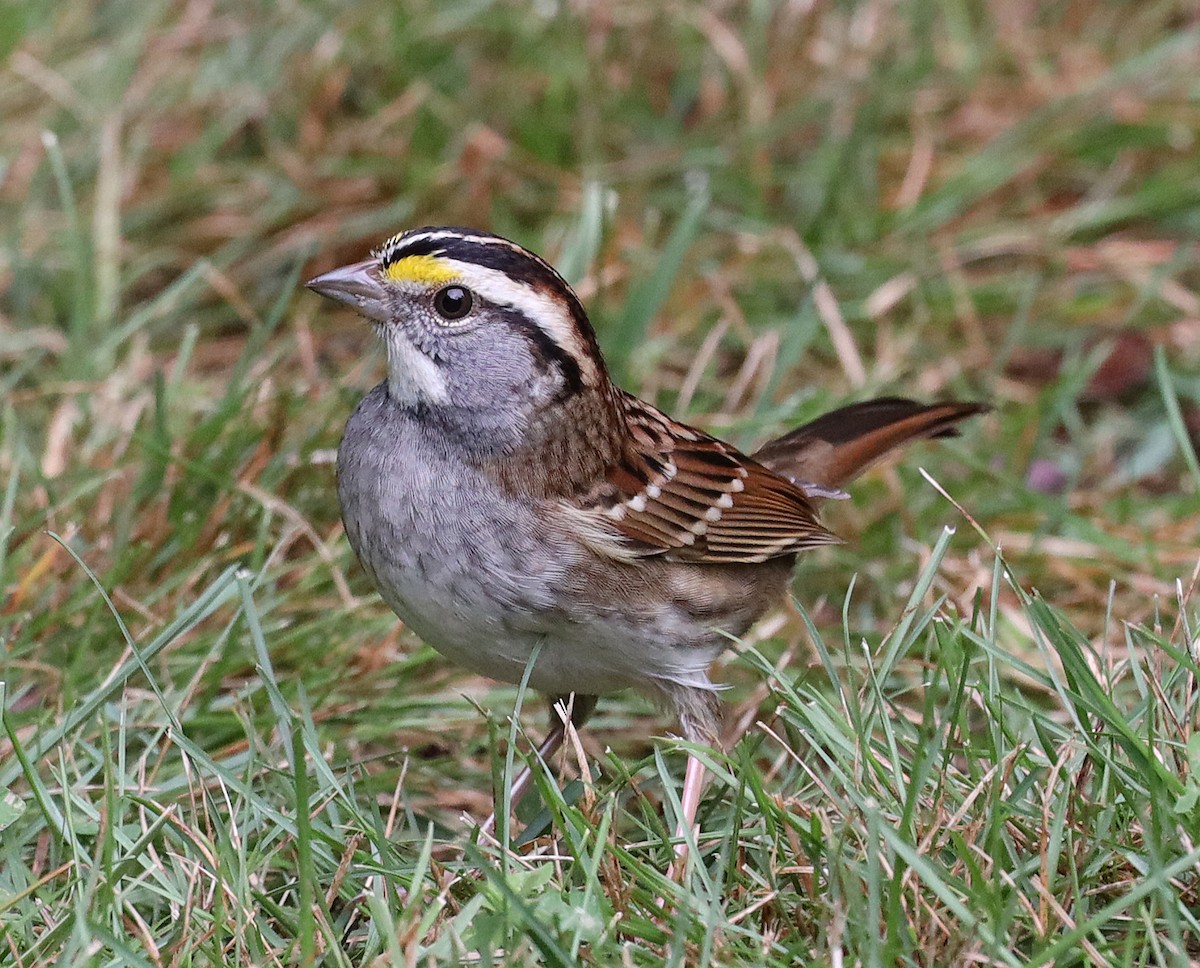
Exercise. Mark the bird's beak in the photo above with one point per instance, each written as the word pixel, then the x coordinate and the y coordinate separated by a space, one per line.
pixel 356 285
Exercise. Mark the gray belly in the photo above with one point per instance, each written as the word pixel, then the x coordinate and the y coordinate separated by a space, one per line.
pixel 482 579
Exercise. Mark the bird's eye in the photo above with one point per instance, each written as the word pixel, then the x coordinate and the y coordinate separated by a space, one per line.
pixel 453 302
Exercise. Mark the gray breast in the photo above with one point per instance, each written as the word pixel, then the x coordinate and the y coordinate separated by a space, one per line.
pixel 458 561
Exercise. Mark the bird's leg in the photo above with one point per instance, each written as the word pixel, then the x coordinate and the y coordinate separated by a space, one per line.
pixel 689 801
pixel 699 717
pixel 580 708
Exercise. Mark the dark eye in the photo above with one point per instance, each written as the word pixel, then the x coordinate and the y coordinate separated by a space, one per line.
pixel 453 302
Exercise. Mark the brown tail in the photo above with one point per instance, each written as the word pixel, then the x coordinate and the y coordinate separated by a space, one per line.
pixel 834 449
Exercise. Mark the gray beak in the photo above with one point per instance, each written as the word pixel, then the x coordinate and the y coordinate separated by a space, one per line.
pixel 355 285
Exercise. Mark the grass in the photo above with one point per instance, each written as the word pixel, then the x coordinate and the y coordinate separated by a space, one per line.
pixel 973 737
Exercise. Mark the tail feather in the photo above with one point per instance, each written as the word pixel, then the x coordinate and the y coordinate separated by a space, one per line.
pixel 834 449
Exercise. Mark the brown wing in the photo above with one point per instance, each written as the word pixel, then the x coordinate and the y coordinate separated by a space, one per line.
pixel 683 495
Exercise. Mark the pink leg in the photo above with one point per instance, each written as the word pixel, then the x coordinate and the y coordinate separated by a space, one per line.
pixel 693 786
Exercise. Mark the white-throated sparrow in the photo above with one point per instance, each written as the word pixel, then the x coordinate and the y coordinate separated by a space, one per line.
pixel 504 495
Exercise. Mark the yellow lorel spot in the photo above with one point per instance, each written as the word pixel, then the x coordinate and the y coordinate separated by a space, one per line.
pixel 428 269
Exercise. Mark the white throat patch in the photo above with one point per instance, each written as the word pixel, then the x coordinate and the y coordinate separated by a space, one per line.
pixel 412 376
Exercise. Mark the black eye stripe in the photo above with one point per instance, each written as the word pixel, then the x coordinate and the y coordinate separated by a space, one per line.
pixel 521 266
pixel 546 349
pixel 490 251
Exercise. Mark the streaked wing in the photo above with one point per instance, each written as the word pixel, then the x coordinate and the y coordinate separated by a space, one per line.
pixel 683 495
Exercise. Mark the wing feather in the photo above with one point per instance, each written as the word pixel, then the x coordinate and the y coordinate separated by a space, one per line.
pixel 680 494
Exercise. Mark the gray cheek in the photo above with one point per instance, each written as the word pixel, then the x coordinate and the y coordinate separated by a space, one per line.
pixel 488 371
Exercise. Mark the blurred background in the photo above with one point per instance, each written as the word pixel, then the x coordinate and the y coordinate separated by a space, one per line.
pixel 769 209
